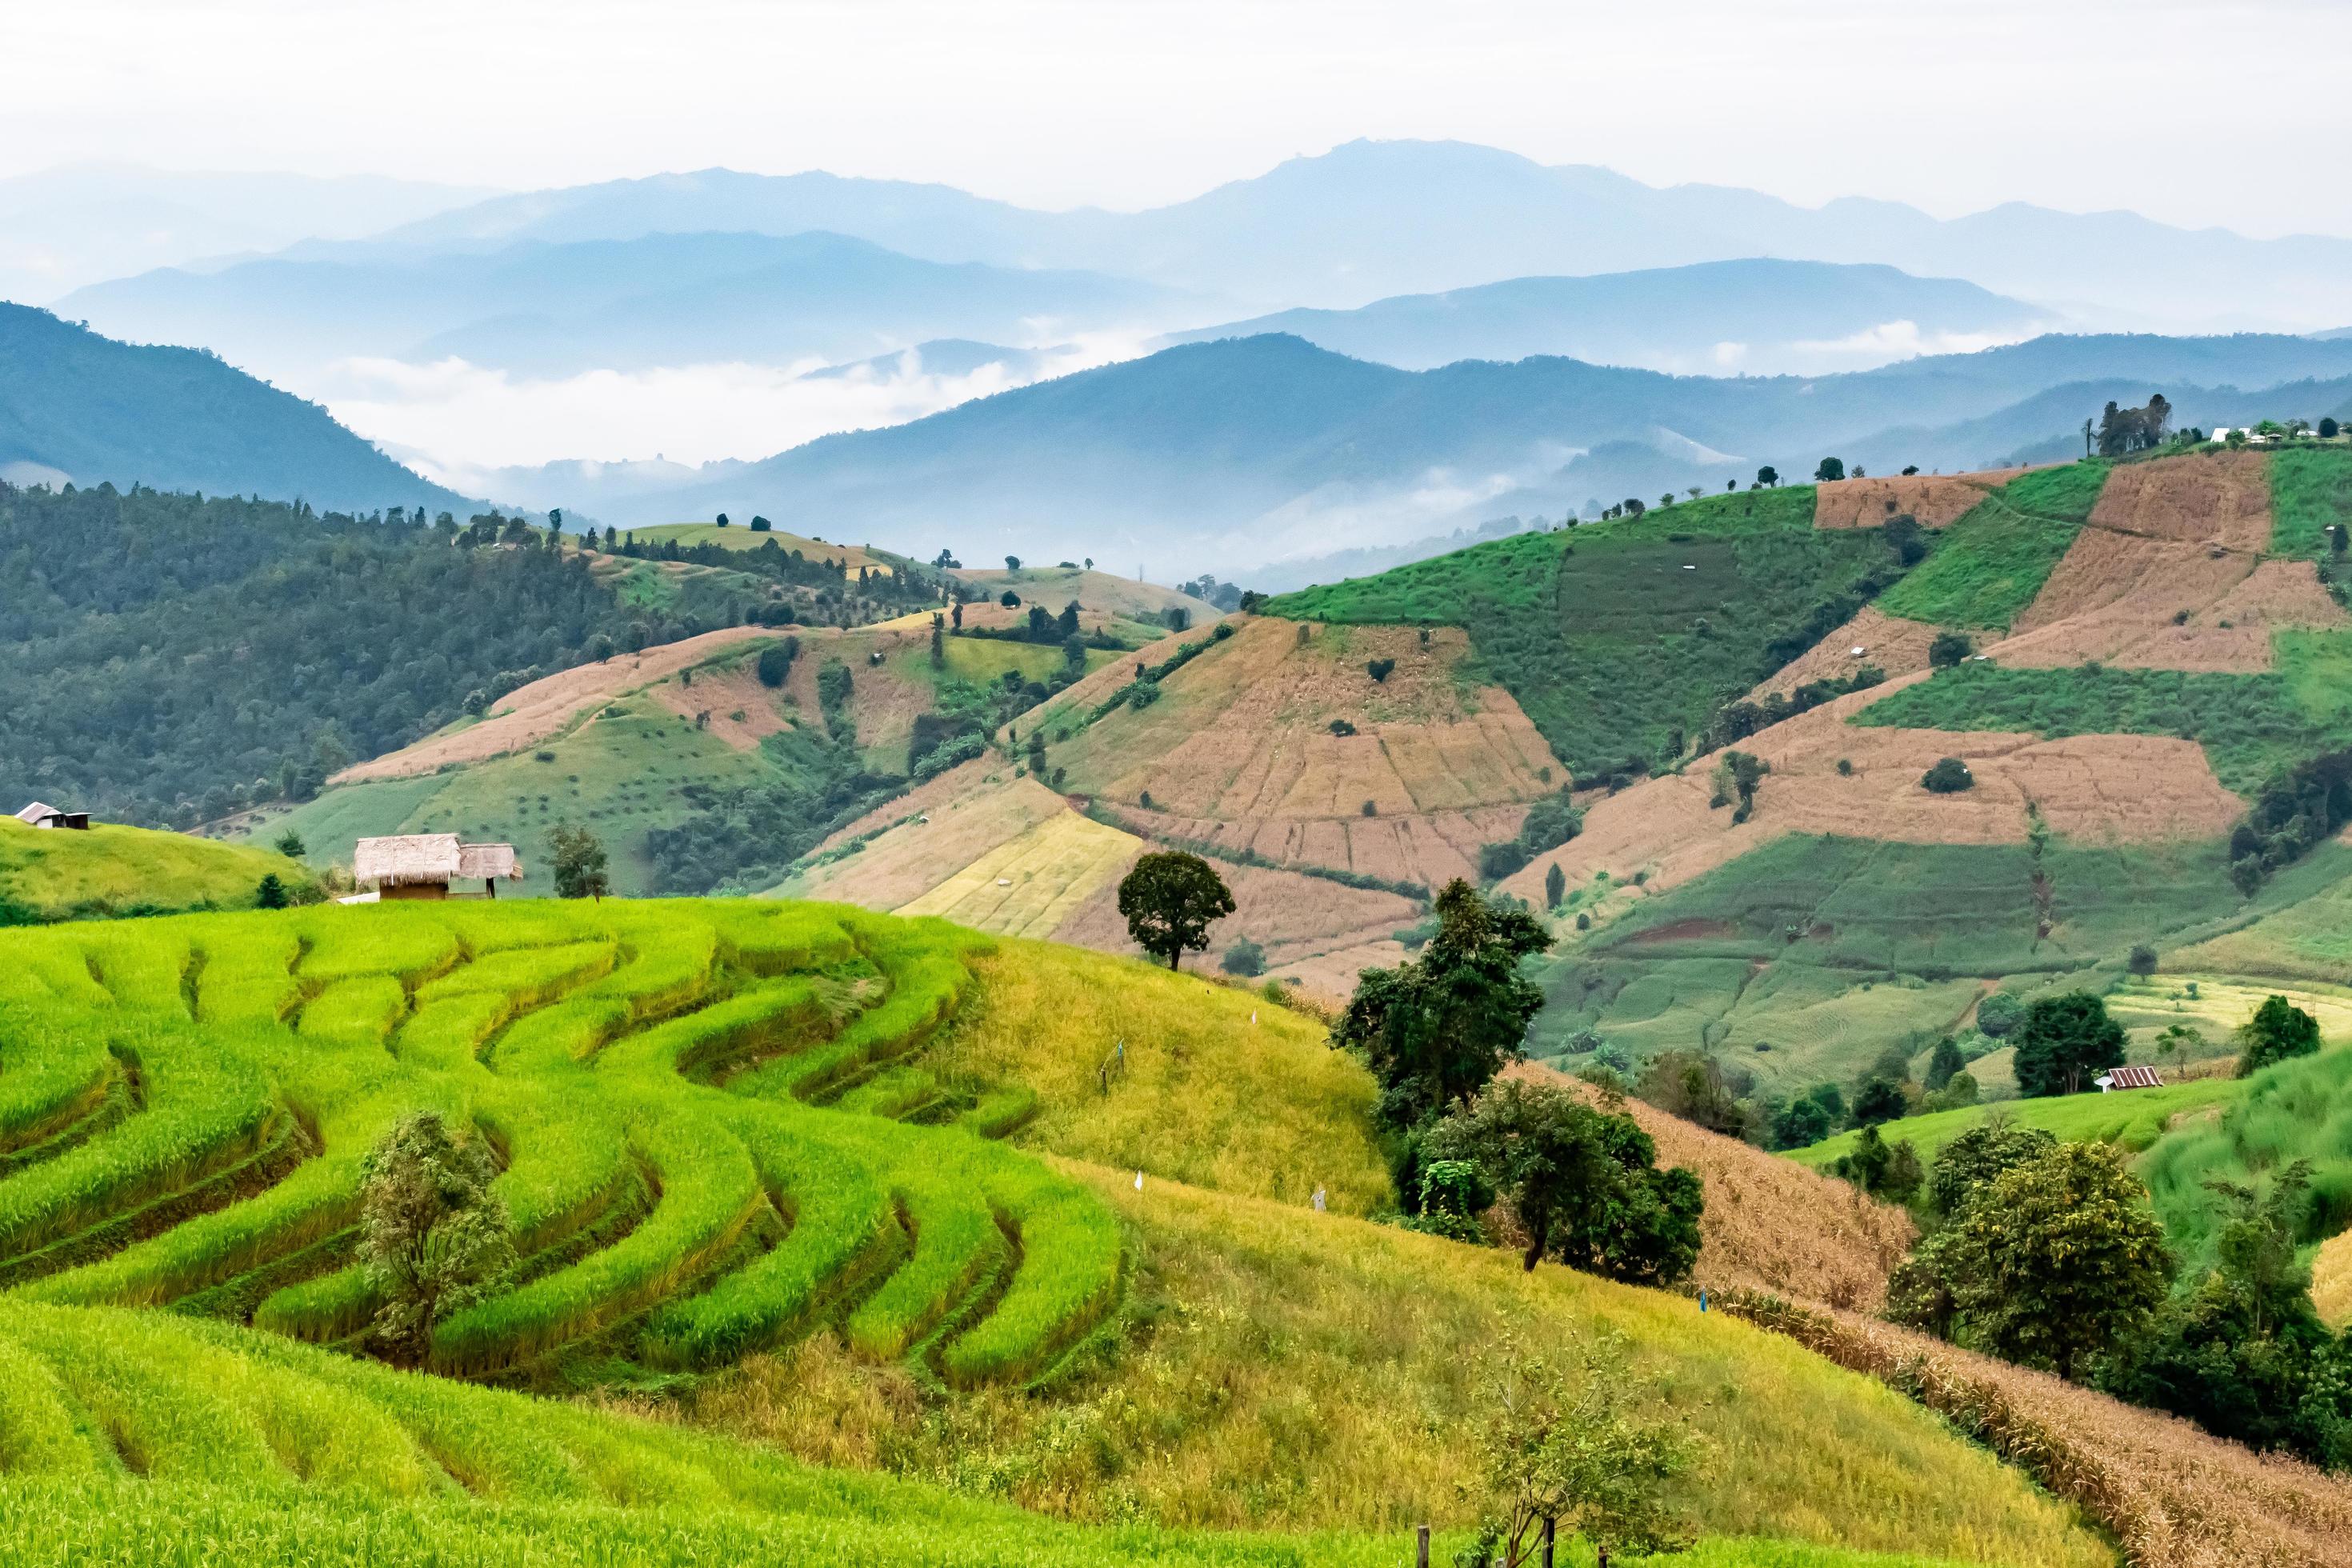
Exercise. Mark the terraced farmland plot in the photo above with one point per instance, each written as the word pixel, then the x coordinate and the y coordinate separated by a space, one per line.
pixel 678 1093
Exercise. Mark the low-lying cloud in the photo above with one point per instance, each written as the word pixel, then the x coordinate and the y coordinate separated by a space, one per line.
pixel 457 422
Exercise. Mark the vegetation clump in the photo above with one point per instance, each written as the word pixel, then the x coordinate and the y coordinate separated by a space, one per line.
pixel 434 1237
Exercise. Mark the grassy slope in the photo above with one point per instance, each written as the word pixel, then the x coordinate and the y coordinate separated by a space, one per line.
pixel 2311 487
pixel 622 772
pixel 2135 1119
pixel 2295 1110
pixel 740 536
pixel 1280 1368
pixel 54 874
pixel 1829 949
pixel 1611 646
pixel 1988 567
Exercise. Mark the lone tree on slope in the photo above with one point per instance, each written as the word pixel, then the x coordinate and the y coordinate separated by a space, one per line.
pixel 434 1237
pixel 1169 899
pixel 580 862
pixel 2065 1042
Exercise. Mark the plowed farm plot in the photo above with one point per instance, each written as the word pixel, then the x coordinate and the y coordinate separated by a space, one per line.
pixel 1934 499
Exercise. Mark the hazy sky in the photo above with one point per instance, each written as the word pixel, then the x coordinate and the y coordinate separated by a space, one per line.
pixel 2196 113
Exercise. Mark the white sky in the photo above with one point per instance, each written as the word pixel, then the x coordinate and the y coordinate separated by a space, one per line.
pixel 2194 113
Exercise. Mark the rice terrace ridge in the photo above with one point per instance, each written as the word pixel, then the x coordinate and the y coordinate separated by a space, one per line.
pixel 944 786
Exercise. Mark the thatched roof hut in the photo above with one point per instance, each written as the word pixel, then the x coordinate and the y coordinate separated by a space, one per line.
pixel 422 865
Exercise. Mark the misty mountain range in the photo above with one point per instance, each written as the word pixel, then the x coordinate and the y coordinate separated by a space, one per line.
pixel 1244 452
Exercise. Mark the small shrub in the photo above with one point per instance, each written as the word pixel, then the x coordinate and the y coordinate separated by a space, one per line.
pixel 1244 958
pixel 1949 648
pixel 1341 726
pixel 2142 960
pixel 1845 767
pixel 1378 669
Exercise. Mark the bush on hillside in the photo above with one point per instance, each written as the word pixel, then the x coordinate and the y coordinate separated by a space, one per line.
pixel 1583 1184
pixel 2053 1263
pixel 2278 1031
pixel 775 660
pixel 1999 1012
pixel 1949 648
pixel 1244 958
pixel 1169 899
pixel 1948 776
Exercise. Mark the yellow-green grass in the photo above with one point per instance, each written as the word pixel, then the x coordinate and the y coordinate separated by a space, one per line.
pixel 622 772
pixel 56 874
pixel 2309 940
pixel 736 536
pixel 595 1044
pixel 143 1438
pixel 2147 1007
pixel 1216 1086
pixel 1295 1371
pixel 1030 885
pixel 1128 598
pixel 2134 1118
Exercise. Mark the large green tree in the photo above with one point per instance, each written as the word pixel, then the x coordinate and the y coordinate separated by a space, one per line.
pixel 2065 1042
pixel 2054 1262
pixel 580 863
pixel 1583 1183
pixel 1170 901
pixel 1435 1030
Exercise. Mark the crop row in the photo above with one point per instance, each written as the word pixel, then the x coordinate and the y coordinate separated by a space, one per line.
pixel 653 1077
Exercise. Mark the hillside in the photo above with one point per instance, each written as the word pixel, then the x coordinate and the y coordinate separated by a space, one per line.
pixel 681 758
pixel 1765 317
pixel 111 871
pixel 1323 230
pixel 1228 455
pixel 558 308
pixel 750 1064
pixel 81 408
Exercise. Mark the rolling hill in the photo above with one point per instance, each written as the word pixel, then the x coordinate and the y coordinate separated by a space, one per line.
pixel 543 309
pixel 111 871
pixel 1323 230
pixel 1227 455
pixel 81 408
pixel 1763 317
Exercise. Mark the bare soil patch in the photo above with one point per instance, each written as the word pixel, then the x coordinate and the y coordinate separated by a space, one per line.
pixel 2209 498
pixel 1936 500
pixel 2099 789
pixel 1894 646
pixel 532 714
pixel 717 697
pixel 972 811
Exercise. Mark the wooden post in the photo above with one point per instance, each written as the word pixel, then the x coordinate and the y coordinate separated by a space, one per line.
pixel 1420 1548
pixel 1551 1526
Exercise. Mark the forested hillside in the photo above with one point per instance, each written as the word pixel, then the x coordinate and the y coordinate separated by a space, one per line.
pixel 95 411
pixel 170 658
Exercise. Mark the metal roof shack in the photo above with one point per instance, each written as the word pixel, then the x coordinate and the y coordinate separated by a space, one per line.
pixel 2129 1078
pixel 422 865
pixel 40 814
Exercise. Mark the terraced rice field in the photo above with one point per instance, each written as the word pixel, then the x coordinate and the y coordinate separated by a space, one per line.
pixel 705 1147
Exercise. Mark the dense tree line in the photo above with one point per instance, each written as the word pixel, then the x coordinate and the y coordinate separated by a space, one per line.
pixel 169 657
